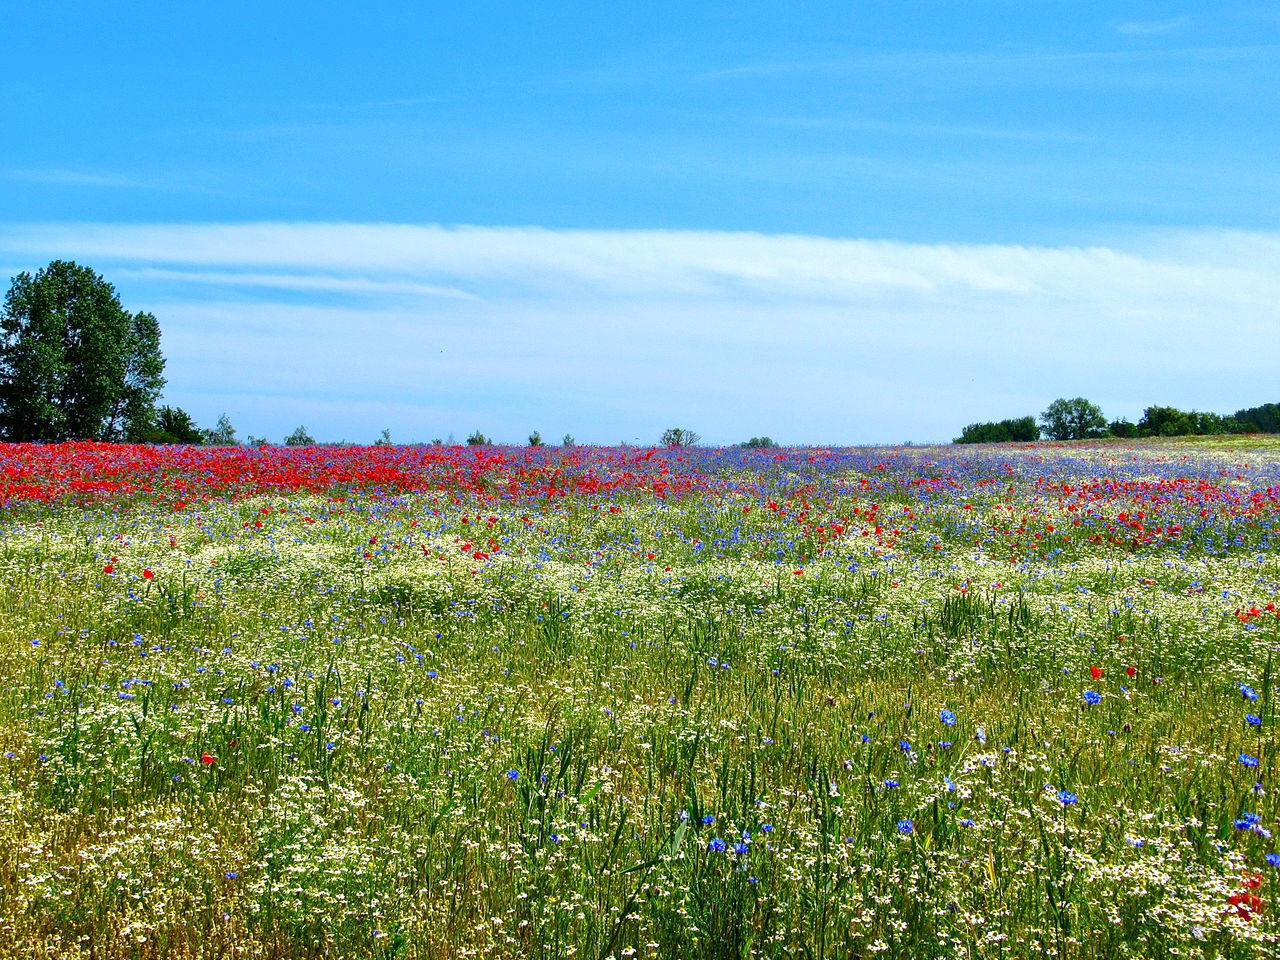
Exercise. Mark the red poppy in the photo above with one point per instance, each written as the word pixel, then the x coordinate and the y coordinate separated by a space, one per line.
pixel 148 575
pixel 1096 672
pixel 108 568
pixel 208 758
pixel 1131 671
pixel 1246 906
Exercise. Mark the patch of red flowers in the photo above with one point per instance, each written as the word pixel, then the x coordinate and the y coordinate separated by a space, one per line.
pixel 1246 904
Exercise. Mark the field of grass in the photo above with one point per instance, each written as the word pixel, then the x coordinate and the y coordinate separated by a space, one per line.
pixel 436 703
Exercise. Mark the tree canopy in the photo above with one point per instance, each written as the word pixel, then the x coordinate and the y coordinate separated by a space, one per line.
pixel 1002 431
pixel 679 437
pixel 74 364
pixel 1076 419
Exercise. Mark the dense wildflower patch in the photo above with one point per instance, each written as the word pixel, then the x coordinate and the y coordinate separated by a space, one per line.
pixel 441 702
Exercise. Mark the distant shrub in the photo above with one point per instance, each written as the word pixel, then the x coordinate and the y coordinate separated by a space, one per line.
pixel 171 425
pixel 384 439
pixel 535 439
pixel 1021 429
pixel 1263 419
pixel 1122 428
pixel 679 437
pixel 567 441
pixel 758 443
pixel 1172 422
pixel 299 438
pixel 223 434
pixel 478 439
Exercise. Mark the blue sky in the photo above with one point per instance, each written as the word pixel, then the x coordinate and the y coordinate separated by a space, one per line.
pixel 825 222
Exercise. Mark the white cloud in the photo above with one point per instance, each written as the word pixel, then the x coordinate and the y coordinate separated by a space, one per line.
pixel 1150 27
pixel 657 263
pixel 616 334
pixel 73 178
pixel 310 282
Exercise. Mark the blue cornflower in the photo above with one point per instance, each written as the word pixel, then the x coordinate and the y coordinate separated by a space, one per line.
pixel 948 717
pixel 741 848
pixel 1066 798
pixel 1247 760
pixel 966 822
pixel 1253 719
pixel 904 746
pixel 945 744
pixel 1092 698
pixel 431 674
pixel 513 774
pixel 708 820
pixel 1248 692
pixel 905 826
pixel 716 845
pixel 981 736
pixel 554 838
pixel 1273 859
pixel 890 784
pixel 767 828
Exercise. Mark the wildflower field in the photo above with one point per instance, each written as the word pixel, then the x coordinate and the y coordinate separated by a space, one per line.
pixel 440 702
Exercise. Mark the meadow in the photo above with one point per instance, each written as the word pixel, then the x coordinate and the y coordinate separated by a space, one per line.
pixel 438 702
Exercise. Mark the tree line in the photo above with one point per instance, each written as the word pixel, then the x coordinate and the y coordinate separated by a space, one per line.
pixel 1079 419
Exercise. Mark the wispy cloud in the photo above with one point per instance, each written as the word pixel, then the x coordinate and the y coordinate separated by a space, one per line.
pixel 916 61
pixel 1151 27
pixel 523 261
pixel 75 178
pixel 616 334
pixel 923 129
pixel 305 282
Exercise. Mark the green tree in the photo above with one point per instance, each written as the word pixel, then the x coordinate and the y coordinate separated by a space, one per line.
pixel 1122 428
pixel 567 440
pixel 478 439
pixel 535 439
pixel 222 435
pixel 1020 429
pixel 1263 419
pixel 1076 419
pixel 171 425
pixel 1165 422
pixel 74 364
pixel 758 443
pixel 384 440
pixel 299 438
pixel 679 437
